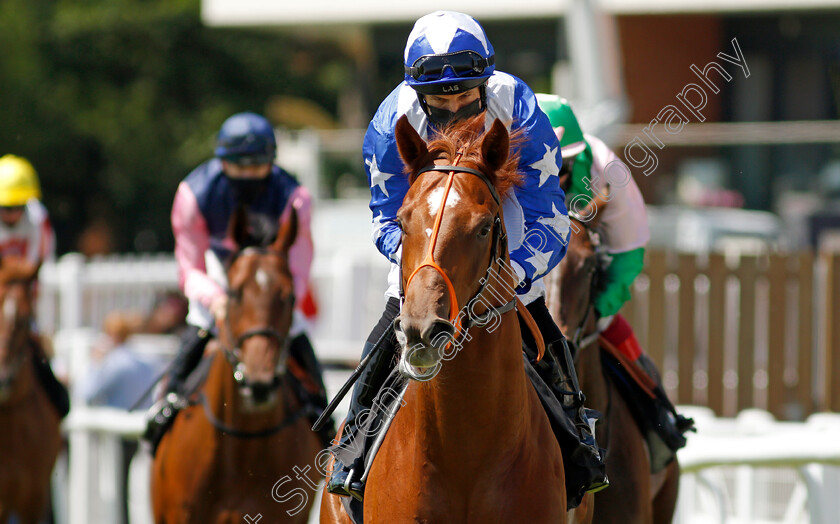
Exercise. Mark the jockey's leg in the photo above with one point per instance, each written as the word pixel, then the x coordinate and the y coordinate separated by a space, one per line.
pixel 620 334
pixel 314 391
pixel 162 413
pixel 364 392
pixel 55 390
pixel 557 369
pixel 193 342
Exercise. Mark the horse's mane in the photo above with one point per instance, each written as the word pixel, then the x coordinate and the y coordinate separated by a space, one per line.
pixel 467 135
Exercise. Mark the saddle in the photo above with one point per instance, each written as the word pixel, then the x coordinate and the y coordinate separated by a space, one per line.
pixel 662 427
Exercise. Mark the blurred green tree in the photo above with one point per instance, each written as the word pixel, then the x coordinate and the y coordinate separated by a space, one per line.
pixel 115 101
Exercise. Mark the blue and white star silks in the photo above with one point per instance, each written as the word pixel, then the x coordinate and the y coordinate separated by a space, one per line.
pixel 377 227
pixel 539 261
pixel 539 196
pixel 377 177
pixel 559 223
pixel 547 165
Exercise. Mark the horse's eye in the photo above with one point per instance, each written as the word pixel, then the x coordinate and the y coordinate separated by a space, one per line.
pixel 235 294
pixel 485 230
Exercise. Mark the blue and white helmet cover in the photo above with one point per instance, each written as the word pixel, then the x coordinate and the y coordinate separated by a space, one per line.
pixel 444 32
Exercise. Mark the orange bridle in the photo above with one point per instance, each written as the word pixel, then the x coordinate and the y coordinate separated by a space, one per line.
pixel 499 239
pixel 429 260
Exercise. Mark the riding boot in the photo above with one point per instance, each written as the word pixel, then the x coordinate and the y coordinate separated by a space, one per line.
pixel 561 376
pixel 312 391
pixel 345 478
pixel 56 392
pixel 161 415
pixel 673 424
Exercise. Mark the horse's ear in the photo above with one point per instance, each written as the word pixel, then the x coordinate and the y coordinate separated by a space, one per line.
pixel 496 146
pixel 287 234
pixel 238 226
pixel 411 146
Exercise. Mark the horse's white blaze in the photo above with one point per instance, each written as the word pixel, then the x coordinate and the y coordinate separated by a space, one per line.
pixel 429 232
pixel 262 278
pixel 9 309
pixel 434 199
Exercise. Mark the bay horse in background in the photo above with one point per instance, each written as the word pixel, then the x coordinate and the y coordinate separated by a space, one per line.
pixel 471 443
pixel 29 424
pixel 244 431
pixel 635 495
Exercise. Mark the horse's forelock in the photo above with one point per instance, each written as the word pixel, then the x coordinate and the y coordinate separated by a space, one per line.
pixel 467 135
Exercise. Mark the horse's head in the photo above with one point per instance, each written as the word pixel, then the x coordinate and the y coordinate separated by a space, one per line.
pixel 16 311
pixel 453 232
pixel 579 269
pixel 260 304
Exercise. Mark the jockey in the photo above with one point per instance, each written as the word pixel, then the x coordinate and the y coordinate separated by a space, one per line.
pixel 450 74
pixel 26 241
pixel 242 173
pixel 623 232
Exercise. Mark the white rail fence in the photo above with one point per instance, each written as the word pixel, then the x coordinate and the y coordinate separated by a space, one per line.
pixel 746 470
pixel 751 469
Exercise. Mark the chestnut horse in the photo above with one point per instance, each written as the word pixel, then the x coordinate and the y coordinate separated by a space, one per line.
pixel 29 439
pixel 227 454
pixel 635 496
pixel 472 443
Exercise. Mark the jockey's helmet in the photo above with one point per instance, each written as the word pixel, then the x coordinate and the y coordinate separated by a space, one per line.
pixel 447 53
pixel 246 138
pixel 18 181
pixel 564 122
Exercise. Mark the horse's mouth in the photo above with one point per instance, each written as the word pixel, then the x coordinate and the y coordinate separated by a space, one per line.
pixel 258 395
pixel 420 363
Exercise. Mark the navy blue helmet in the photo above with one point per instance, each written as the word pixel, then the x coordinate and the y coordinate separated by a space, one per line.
pixel 246 138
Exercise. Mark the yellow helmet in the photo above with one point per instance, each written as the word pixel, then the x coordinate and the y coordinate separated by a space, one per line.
pixel 18 181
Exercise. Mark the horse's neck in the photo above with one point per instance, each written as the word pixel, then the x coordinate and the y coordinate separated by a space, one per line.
pixel 22 383
pixel 482 389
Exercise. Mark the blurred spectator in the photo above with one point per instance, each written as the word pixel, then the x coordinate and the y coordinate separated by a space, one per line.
pixel 119 374
pixel 96 239
pixel 169 316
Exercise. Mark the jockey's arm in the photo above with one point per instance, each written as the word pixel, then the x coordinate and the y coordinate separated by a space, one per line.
pixel 18 268
pixel 192 240
pixel 388 184
pixel 302 250
pixel 622 271
pixel 623 225
pixel 542 200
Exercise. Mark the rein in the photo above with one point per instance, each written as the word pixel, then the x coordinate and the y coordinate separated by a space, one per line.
pixel 499 246
pixel 579 340
pixel 261 433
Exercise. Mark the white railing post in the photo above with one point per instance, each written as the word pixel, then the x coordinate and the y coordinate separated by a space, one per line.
pixel 71 269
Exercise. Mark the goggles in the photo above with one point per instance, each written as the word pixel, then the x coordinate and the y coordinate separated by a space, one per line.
pixel 463 64
pixel 12 209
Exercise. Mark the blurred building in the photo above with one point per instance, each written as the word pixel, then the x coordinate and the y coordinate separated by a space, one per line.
pixel 749 89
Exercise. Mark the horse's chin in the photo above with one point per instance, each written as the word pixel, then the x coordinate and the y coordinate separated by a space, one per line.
pixel 258 397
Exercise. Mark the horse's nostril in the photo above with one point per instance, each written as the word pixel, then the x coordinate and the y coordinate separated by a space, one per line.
pixel 439 331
